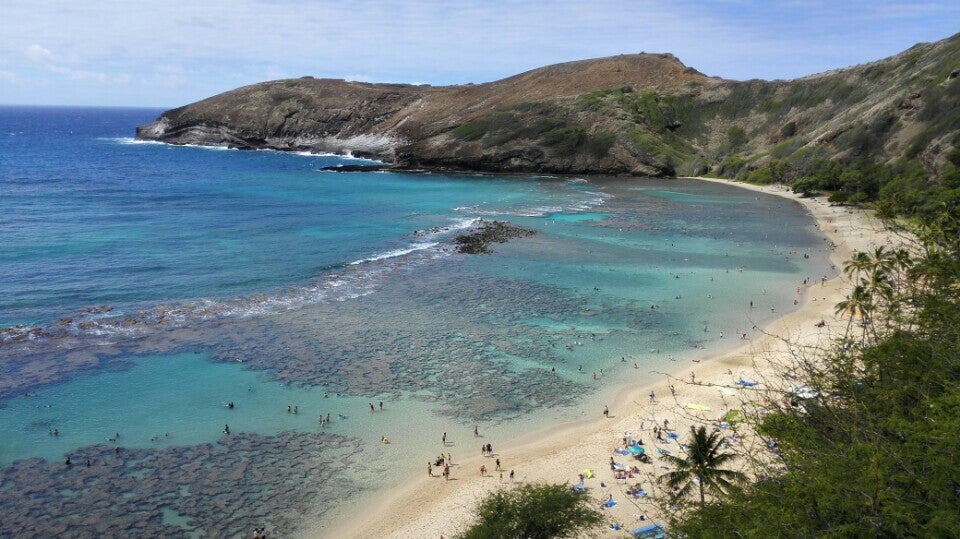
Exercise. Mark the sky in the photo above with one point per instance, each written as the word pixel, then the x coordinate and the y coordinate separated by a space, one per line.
pixel 169 53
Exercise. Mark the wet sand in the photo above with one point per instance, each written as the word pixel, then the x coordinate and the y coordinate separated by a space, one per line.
pixel 427 507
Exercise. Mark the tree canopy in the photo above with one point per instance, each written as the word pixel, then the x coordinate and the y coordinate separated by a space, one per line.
pixel 533 512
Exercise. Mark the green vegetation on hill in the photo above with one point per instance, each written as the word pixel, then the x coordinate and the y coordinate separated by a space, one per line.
pixel 883 133
pixel 536 123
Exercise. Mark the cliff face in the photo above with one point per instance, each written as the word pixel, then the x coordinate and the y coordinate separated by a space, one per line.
pixel 632 114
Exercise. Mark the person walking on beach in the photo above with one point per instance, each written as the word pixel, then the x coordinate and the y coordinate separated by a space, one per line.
pixel 511 476
pixel 498 464
pixel 444 439
pixel 653 397
pixel 476 431
pixel 606 411
pixel 483 470
pixel 429 469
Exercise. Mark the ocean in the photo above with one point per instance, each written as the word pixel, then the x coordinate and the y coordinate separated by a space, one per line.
pixel 176 321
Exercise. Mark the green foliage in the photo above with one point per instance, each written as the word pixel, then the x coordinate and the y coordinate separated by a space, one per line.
pixel 874 455
pixel 940 112
pixel 839 197
pixel 867 139
pixel 473 130
pixel 538 122
pixel 533 512
pixel 736 136
pixel 806 187
pixel 788 130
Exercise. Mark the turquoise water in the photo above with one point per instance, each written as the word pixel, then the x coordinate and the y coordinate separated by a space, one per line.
pixel 145 286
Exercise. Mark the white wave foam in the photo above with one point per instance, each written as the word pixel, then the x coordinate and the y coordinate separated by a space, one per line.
pixel 129 140
pixel 396 252
pixel 347 156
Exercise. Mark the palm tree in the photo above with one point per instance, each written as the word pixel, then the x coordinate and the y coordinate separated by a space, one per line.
pixel 702 465
pixel 859 263
pixel 859 302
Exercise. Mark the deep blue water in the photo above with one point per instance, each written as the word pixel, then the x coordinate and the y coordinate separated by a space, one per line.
pixel 255 278
pixel 88 216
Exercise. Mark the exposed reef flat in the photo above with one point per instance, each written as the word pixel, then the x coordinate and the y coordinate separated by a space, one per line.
pixel 478 242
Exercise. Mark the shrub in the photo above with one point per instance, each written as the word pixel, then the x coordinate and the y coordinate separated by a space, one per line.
pixel 788 130
pixel 839 197
pixel 533 512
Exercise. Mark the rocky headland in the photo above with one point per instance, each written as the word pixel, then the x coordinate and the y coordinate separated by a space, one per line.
pixel 638 114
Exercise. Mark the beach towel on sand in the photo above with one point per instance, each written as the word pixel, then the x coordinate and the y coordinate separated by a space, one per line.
pixel 698 407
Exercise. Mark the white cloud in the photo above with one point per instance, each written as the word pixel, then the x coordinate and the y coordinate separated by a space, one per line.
pixel 39 54
pixel 186 50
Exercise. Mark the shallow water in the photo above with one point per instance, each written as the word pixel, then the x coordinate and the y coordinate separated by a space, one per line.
pixel 249 277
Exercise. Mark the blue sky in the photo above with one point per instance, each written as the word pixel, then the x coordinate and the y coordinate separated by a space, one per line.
pixel 128 53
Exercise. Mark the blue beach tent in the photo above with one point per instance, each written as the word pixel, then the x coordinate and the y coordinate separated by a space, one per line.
pixel 650 531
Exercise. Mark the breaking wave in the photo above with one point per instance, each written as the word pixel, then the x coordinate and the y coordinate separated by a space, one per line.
pixel 348 156
pixel 342 283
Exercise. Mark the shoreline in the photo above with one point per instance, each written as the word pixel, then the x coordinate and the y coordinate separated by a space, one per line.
pixel 432 507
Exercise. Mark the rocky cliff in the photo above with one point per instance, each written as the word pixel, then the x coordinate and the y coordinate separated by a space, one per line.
pixel 631 114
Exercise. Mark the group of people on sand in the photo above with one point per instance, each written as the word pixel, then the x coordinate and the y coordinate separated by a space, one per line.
pixel 445 463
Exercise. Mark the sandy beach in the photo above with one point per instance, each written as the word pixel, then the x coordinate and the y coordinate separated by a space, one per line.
pixel 705 388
